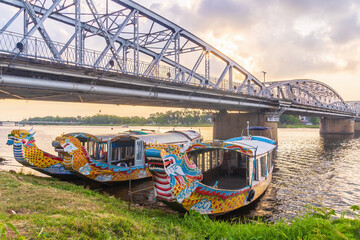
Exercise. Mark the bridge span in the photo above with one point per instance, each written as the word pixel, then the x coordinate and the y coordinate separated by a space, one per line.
pixel 118 52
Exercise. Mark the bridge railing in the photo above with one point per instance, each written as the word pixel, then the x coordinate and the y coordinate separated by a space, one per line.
pixel 37 48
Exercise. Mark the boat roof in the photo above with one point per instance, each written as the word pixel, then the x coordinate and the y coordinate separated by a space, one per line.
pixel 172 137
pixel 260 146
pixel 250 146
pixel 191 134
pixel 259 128
pixel 165 138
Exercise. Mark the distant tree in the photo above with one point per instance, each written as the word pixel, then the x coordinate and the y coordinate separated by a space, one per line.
pixel 289 119
pixel 314 120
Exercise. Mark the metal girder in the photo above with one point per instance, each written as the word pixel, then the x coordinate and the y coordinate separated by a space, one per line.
pixel 197 64
pixel 108 38
pixel 86 27
pixel 114 37
pixel 38 25
pixel 149 71
pixel 302 90
pixel 154 37
pixel 187 35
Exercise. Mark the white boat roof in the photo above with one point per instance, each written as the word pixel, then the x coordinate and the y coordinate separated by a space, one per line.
pixel 260 146
pixel 191 134
pixel 164 138
pixel 172 137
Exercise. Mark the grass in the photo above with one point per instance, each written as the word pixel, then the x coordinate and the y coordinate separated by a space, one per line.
pixel 45 208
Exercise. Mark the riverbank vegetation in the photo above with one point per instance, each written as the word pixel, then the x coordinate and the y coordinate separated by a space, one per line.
pixel 45 208
pixel 183 117
pixel 170 118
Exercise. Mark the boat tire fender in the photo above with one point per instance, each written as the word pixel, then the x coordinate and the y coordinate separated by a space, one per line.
pixel 250 195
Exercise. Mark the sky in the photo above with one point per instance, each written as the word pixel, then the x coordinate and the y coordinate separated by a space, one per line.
pixel 289 39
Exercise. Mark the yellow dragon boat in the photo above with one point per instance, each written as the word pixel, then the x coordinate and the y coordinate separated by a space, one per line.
pixel 212 177
pixel 28 154
pixel 115 158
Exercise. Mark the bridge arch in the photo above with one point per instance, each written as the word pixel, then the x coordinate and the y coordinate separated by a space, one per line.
pixel 307 92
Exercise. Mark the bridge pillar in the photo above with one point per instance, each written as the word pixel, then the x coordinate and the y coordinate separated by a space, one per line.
pixel 357 126
pixel 337 126
pixel 229 125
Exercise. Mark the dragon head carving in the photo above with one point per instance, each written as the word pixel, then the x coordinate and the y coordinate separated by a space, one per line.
pixel 173 171
pixel 21 137
pixel 66 145
pixel 70 150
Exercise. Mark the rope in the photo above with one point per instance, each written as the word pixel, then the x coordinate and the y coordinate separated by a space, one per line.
pixel 142 190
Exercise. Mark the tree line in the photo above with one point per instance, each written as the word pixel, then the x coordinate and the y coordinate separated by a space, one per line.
pixel 181 117
pixel 298 120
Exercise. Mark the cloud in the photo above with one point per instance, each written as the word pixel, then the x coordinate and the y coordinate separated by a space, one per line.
pixel 287 38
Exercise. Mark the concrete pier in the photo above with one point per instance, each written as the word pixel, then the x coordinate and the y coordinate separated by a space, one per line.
pixel 357 126
pixel 337 126
pixel 229 125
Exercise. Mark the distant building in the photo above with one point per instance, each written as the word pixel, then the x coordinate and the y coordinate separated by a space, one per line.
pixel 305 120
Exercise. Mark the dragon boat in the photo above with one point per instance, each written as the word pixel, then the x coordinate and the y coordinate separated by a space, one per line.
pixel 212 177
pixel 28 154
pixel 115 158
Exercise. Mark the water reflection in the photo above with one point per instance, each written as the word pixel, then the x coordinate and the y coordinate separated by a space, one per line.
pixel 317 170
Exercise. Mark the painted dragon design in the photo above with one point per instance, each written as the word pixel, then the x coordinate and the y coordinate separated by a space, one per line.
pixel 77 160
pixel 175 175
pixel 177 180
pixel 27 153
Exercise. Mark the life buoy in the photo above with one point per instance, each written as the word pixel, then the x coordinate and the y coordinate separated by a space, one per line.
pixel 250 195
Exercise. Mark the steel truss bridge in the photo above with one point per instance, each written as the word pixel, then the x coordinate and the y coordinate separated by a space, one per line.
pixel 119 52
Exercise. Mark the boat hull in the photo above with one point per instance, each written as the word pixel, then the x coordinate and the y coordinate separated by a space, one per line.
pixel 105 173
pixel 207 200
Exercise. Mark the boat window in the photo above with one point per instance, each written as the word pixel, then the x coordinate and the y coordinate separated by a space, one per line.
pixel 122 152
pixel 256 173
pixel 194 159
pixel 274 155
pixel 139 152
pixel 206 161
pixel 102 151
pixel 213 158
pixel 263 165
pixel 270 160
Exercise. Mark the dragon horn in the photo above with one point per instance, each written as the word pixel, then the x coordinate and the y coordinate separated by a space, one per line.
pixel 32 134
pixel 30 130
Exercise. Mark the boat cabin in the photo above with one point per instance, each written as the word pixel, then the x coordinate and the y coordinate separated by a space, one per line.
pixel 127 148
pixel 235 163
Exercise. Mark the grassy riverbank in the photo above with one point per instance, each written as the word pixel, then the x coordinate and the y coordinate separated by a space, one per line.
pixel 46 208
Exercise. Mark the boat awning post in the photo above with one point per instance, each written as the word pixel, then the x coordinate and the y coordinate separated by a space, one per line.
pixel 109 152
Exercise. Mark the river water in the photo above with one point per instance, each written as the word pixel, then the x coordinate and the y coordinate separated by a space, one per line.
pixel 310 169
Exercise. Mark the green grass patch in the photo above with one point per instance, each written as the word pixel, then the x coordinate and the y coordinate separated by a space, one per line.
pixel 45 208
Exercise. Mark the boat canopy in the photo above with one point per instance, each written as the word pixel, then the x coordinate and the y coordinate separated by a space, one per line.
pixel 172 137
pixel 165 138
pixel 190 134
pixel 250 146
pixel 259 128
pixel 256 144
